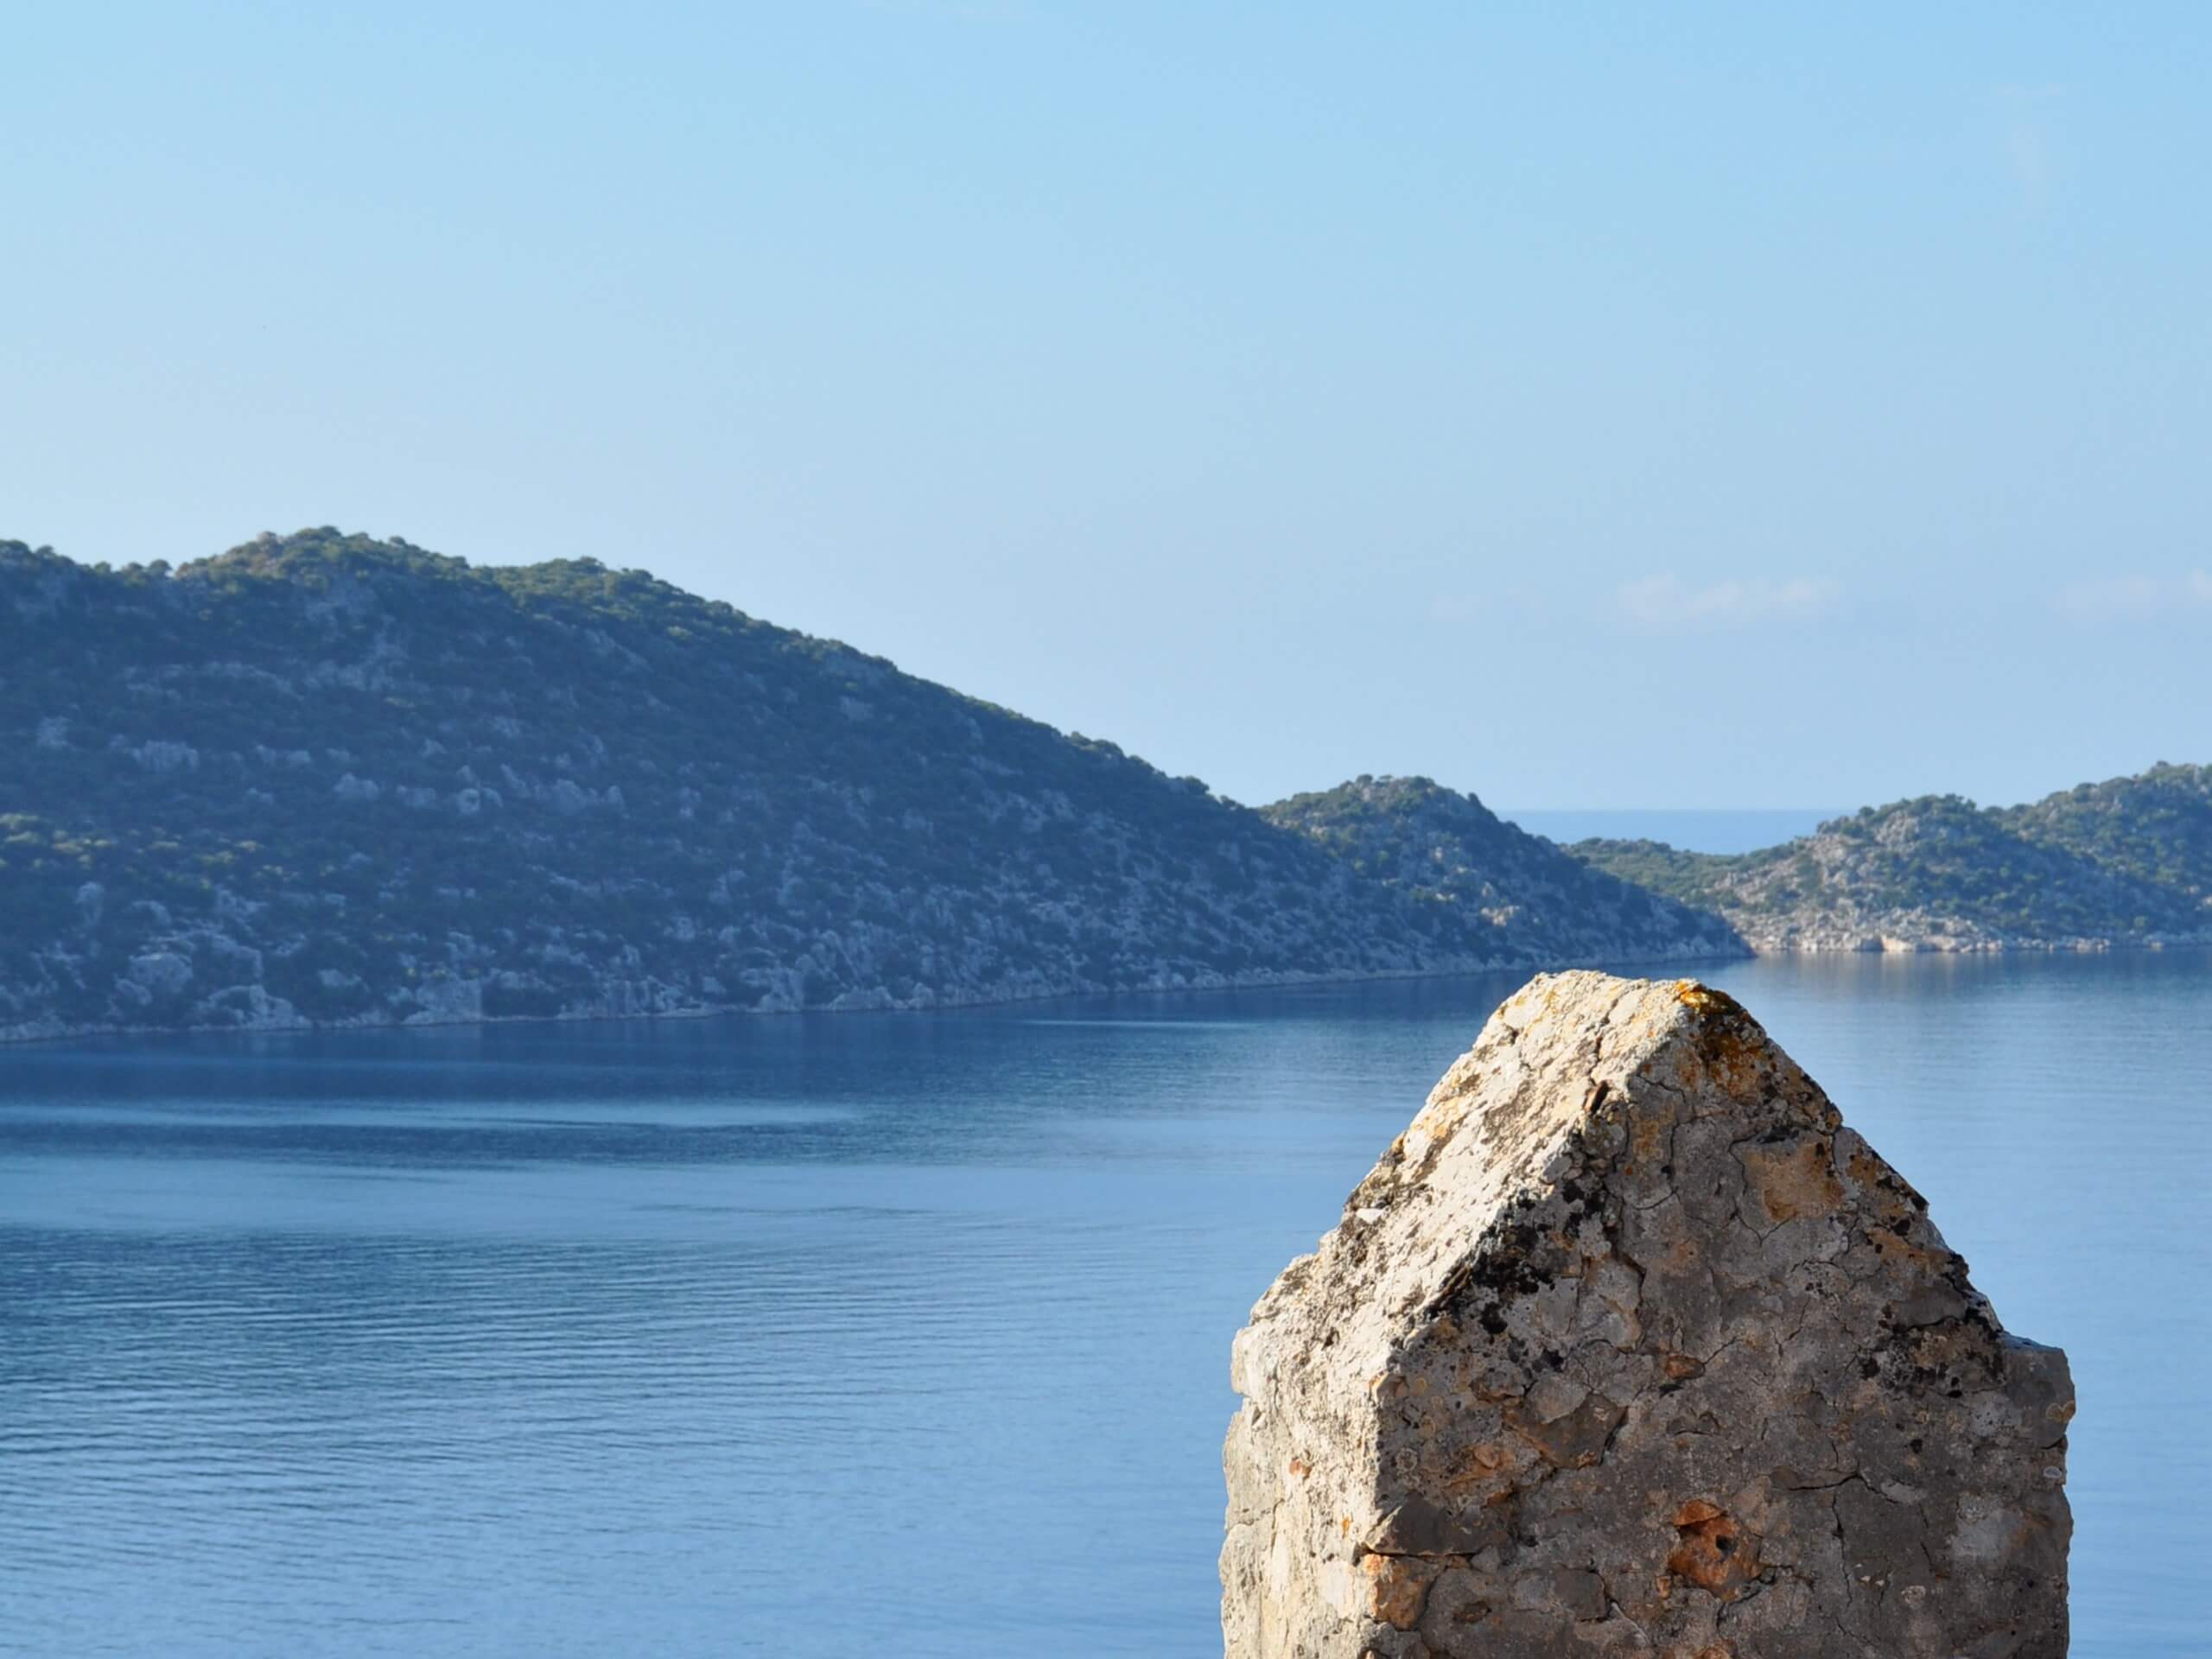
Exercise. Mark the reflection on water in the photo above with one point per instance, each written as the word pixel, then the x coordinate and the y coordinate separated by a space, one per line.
pixel 900 1334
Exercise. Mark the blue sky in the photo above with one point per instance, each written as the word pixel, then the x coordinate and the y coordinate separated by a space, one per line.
pixel 1706 406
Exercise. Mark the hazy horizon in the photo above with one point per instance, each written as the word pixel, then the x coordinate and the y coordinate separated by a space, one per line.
pixel 1699 827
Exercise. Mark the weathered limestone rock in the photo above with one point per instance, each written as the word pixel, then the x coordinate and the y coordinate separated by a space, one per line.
pixel 1628 1346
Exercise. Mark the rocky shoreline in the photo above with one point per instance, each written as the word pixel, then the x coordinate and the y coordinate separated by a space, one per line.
pixel 1845 942
pixel 279 1021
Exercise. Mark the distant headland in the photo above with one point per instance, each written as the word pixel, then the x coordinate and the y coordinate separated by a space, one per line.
pixel 2125 862
pixel 325 780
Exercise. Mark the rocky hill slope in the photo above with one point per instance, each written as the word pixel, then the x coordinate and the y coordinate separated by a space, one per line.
pixel 1464 866
pixel 2126 862
pixel 327 780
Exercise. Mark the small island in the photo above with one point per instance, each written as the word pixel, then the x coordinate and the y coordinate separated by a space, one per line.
pixel 2123 863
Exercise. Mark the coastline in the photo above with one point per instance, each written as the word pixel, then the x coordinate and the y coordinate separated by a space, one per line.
pixel 19 1036
pixel 16 1036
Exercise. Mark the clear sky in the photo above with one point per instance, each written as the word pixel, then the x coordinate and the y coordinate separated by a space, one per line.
pixel 1588 406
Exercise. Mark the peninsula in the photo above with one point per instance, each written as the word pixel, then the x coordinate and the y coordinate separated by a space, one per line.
pixel 327 779
pixel 2123 863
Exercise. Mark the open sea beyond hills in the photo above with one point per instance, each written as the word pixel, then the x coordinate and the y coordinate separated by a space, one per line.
pixel 905 1334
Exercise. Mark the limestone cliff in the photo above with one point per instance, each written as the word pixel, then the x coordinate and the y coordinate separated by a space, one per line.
pixel 1629 1345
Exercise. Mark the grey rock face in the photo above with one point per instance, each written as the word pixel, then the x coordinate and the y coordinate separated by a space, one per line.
pixel 1629 1346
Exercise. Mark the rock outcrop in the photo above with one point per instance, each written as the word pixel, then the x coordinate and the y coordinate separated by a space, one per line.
pixel 1629 1345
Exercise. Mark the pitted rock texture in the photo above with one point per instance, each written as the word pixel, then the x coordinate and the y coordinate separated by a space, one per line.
pixel 1629 1346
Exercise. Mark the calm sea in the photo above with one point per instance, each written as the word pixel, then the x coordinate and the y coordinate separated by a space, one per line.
pixel 903 1335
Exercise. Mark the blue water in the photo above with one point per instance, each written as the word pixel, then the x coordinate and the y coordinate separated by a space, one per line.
pixel 902 1334
pixel 1693 829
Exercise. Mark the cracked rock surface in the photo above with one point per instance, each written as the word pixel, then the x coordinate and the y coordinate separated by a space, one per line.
pixel 1629 1345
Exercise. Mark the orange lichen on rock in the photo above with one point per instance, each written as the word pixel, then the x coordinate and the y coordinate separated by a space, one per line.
pixel 1792 1178
pixel 1396 1587
pixel 1712 1552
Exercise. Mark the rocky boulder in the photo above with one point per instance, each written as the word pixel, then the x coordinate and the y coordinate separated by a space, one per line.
pixel 1629 1345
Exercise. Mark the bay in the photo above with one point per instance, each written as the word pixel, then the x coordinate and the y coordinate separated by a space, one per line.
pixel 904 1334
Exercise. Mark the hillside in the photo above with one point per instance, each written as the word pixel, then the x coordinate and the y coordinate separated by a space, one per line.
pixel 2155 826
pixel 1465 866
pixel 2125 863
pixel 327 779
